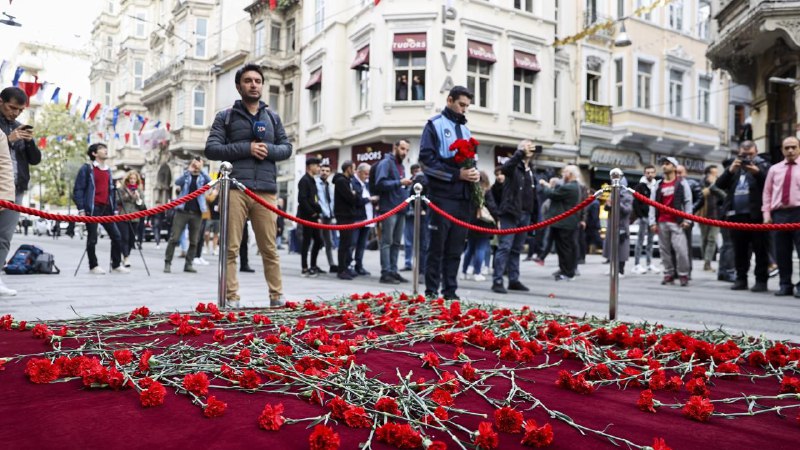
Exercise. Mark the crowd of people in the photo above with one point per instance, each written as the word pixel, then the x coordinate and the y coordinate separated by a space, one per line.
pixel 747 189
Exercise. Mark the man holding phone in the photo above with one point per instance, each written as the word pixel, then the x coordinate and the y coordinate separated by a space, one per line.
pixel 24 153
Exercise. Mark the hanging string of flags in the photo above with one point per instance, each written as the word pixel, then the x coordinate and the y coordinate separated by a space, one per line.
pixel 95 113
pixel 609 24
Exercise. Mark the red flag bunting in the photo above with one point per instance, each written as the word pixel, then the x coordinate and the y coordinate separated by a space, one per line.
pixel 143 125
pixel 94 111
pixel 69 99
pixel 273 4
pixel 30 89
pixel 168 126
pixel 42 143
pixel 376 2
pixel 127 137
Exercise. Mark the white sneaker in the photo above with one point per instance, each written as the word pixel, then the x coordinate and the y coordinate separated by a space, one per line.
pixel 158 246
pixel 622 275
pixel 654 269
pixel 485 270
pixel 6 291
pixel 479 277
pixel 200 261
pixel 125 262
pixel 639 270
pixel 232 304
pixel 464 276
pixel 214 252
pixel 120 269
pixel 97 270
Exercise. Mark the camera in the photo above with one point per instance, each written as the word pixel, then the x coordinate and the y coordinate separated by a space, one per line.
pixel 747 162
pixel 538 149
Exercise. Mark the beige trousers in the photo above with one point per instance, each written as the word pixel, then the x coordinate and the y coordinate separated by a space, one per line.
pixel 265 227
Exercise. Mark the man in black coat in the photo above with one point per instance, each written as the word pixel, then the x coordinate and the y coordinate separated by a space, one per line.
pixel 308 208
pixel 564 233
pixel 345 204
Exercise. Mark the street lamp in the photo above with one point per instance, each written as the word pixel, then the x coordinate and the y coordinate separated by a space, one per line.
pixel 622 39
pixel 786 81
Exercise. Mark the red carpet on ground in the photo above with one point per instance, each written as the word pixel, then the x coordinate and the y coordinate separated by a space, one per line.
pixel 355 365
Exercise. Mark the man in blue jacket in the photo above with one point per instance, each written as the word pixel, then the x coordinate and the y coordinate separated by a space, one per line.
pixel 449 188
pixel 189 213
pixel 251 137
pixel 95 195
pixel 391 186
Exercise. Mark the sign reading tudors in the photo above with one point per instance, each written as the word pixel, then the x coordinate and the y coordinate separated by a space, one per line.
pixel 479 50
pixel 410 42
pixel 526 61
pixel 370 153
pixel 615 158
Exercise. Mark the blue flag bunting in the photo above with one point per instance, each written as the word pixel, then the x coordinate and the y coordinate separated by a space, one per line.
pixel 114 120
pixel 54 98
pixel 86 110
pixel 158 124
pixel 17 74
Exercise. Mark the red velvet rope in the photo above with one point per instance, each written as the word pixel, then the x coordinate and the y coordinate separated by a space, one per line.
pixel 525 229
pixel 108 219
pixel 718 223
pixel 323 226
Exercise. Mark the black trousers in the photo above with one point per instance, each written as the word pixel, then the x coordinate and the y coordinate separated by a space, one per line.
pixel 309 235
pixel 745 243
pixel 565 241
pixel 446 246
pixel 113 234
pixel 243 261
pixel 127 232
pixel 785 242
pixel 345 241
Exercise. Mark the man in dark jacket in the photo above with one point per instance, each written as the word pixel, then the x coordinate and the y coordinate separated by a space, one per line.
pixel 564 233
pixel 252 138
pixel 449 188
pixel 364 211
pixel 23 152
pixel 391 185
pixel 515 209
pixel 743 181
pixel 308 208
pixel 345 204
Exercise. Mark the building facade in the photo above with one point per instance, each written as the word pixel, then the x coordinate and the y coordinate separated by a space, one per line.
pixel 758 43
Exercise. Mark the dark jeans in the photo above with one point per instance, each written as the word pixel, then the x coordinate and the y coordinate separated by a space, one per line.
pixel 509 248
pixel 156 224
pixel 358 242
pixel 475 254
pixel 345 241
pixel 408 240
pixel 310 234
pixel 113 234
pixel 446 246
pixel 785 242
pixel 745 243
pixel 327 238
pixel 128 235
pixel 243 261
pixel 183 218
pixel 565 241
pixel 391 241
pixel 727 266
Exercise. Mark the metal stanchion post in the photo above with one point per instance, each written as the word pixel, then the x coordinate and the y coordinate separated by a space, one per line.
pixel 224 205
pixel 417 222
pixel 612 234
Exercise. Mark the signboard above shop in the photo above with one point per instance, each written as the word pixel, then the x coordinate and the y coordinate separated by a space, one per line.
pixel 615 158
pixel 370 153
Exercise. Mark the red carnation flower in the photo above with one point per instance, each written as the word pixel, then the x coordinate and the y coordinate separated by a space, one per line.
pixel 486 437
pixel 271 418
pixel 323 438
pixel 196 383
pixel 790 385
pixel 674 383
pixel 508 420
pixel 697 386
pixel 356 417
pixel 431 360
pixel 153 394
pixel 728 368
pixel 441 413
pixel 645 402
pixel 284 350
pixel 249 379
pixel 123 356
pixel 437 445
pixel 537 436
pixel 23 325
pixel 41 371
pixel 698 408
pixel 214 408
pixel 116 379
pixel 219 336
pixel 757 359
pixel 659 444
pixel 442 397
pixel 400 436
pixel 469 373
pixel 387 405
pixel 144 361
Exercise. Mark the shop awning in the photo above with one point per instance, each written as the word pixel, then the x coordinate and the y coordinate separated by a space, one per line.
pixel 410 42
pixel 479 50
pixel 315 80
pixel 362 59
pixel 526 61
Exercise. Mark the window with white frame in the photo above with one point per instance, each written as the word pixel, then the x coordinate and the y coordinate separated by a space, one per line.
pixel 621 9
pixel 319 16
pixel 316 104
pixel 109 47
pixel 676 92
pixel 180 105
pixel 288 102
pixel 594 67
pixel 362 78
pixel 274 96
pixel 107 93
pixel 524 5
pixel 523 90
pixel 591 11
pixel 556 92
pixel 644 84
pixel 479 78
pixel 138 74
pixel 200 37
pixel 139 23
pixel 648 15
pixel 676 15
pixel 703 20
pixel 409 71
pixel 619 85
pixel 181 41
pixel 290 35
pixel 275 37
pixel 704 99
pixel 110 6
pixel 198 106
pixel 259 39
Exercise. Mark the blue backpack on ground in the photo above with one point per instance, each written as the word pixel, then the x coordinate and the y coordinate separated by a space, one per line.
pixel 29 259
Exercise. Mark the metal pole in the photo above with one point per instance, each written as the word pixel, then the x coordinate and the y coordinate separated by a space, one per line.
pixel 612 234
pixel 224 204
pixel 417 222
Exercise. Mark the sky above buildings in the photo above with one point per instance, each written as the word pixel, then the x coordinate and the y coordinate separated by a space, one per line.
pixel 60 22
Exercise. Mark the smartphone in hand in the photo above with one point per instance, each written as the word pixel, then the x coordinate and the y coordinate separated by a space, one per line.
pixel 26 127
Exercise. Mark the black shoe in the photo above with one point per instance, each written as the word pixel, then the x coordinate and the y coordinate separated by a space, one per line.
pixel 352 273
pixel 317 270
pixel 450 297
pixel 246 269
pixel 739 285
pixel 785 291
pixel 389 279
pixel 406 269
pixel 334 269
pixel 363 272
pixel 562 277
pixel 517 286
pixel 760 286
pixel 344 276
pixel 399 278
pixel 189 268
pixel 726 278
pixel 499 288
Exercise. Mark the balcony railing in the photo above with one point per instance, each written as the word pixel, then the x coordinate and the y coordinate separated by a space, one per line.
pixel 597 114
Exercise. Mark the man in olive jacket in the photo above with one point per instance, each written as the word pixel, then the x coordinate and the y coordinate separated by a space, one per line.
pixel 252 138
pixel 564 232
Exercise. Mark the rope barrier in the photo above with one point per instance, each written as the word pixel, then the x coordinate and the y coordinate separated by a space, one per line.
pixel 525 229
pixel 717 223
pixel 108 219
pixel 323 226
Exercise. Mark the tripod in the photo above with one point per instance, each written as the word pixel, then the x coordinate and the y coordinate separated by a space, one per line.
pixel 133 233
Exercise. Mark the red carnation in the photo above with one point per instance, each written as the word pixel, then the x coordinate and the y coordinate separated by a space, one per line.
pixel 23 325
pixel 116 379
pixel 645 402
pixel 144 361
pixel 323 438
pixel 219 336
pixel 442 397
pixel 123 356
pixel 387 405
pixel 356 417
pixel 437 445
pixel 196 383
pixel 41 371
pixel 431 360
pixel 214 408
pixel 249 379
pixel 271 418
pixel 400 436
pixel 469 373
pixel 697 386
pixel 674 383
pixel 659 444
pixel 757 359
pixel 698 408
pixel 486 437
pixel 153 394
pixel 284 350
pixel 790 385
pixel 508 420
pixel 537 436
pixel 338 407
